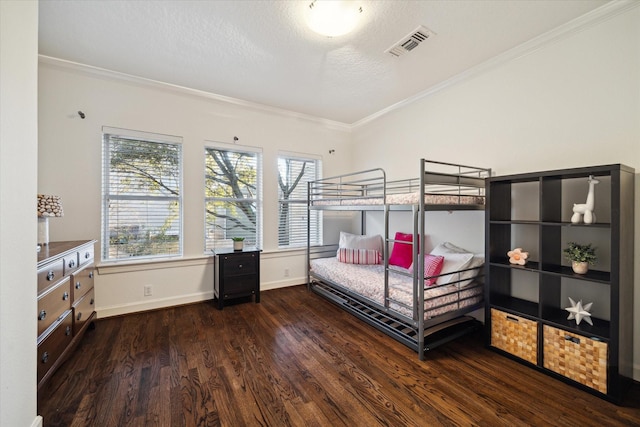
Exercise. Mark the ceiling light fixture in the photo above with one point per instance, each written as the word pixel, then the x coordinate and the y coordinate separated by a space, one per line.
pixel 333 18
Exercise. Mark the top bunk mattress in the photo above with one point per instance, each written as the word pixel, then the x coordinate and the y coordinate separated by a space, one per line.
pixel 402 199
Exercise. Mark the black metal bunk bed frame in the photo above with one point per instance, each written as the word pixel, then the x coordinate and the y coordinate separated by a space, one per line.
pixel 365 186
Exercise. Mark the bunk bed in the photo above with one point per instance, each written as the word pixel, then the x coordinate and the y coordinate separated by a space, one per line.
pixel 419 306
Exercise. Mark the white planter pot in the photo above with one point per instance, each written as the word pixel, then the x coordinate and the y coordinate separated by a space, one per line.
pixel 580 267
pixel 237 246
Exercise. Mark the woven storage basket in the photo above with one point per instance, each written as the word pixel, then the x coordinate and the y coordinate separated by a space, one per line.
pixel 515 335
pixel 577 357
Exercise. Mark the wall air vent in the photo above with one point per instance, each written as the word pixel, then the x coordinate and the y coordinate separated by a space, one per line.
pixel 410 42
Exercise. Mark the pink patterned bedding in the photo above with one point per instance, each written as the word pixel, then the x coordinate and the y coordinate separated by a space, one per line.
pixel 368 281
pixel 404 199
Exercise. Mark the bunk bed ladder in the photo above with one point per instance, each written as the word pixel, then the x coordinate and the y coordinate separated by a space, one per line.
pixel 418 278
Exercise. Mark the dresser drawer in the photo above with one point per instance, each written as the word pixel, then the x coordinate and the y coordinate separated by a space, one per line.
pixel 50 274
pixel 82 310
pixel 515 335
pixel 82 282
pixel 86 255
pixel 577 357
pixel 52 347
pixel 71 263
pixel 239 264
pixel 52 305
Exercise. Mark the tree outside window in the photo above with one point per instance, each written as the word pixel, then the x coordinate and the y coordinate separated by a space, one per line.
pixel 142 215
pixel 232 197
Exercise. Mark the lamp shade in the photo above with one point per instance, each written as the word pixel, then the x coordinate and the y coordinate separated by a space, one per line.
pixel 49 206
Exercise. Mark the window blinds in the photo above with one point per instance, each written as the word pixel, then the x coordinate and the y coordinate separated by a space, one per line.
pixel 142 197
pixel 293 175
pixel 232 197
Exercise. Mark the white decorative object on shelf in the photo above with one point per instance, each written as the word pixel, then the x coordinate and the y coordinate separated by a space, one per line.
pixel 586 209
pixel 516 256
pixel 579 312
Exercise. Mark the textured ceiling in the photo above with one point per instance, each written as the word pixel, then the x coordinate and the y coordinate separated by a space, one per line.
pixel 262 51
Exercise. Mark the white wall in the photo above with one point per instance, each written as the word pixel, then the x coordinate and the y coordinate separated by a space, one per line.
pixel 69 164
pixel 574 102
pixel 18 175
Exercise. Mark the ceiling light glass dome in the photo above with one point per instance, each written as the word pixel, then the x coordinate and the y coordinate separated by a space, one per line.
pixel 333 18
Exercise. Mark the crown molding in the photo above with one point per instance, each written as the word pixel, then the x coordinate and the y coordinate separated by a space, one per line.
pixel 590 19
pixel 156 84
pixel 572 27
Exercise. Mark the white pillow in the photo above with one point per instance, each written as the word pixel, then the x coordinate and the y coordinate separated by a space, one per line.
pixel 453 263
pixel 355 241
pixel 466 277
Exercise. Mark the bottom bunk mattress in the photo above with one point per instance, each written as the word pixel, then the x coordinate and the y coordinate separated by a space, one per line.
pixel 368 281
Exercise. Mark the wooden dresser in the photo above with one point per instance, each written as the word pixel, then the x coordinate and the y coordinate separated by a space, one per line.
pixel 66 303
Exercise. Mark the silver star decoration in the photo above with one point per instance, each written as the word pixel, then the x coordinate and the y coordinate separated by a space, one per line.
pixel 579 312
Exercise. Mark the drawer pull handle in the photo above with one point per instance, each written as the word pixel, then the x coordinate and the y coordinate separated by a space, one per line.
pixel 572 339
pixel 50 275
pixel 513 319
pixel 240 266
pixel 87 255
pixel 65 296
pixel 78 285
pixel 72 263
pixel 67 331
pixel 79 316
pixel 45 357
pixel 91 301
pixel 91 275
pixel 42 315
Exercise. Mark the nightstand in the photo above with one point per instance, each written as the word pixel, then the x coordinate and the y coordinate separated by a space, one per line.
pixel 237 274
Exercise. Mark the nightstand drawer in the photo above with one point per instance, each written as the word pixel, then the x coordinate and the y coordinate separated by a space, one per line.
pixel 239 264
pixel 53 304
pixel 52 347
pixel 50 274
pixel 82 311
pixel 240 286
pixel 577 357
pixel 82 282
pixel 515 335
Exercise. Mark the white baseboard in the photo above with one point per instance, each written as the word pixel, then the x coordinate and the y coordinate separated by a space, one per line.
pixel 118 310
pixel 37 422
pixel 291 281
pixel 136 307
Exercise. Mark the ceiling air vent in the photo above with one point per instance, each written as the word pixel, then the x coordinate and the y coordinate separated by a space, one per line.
pixel 410 42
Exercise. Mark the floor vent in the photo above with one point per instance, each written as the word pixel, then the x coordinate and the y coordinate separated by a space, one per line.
pixel 410 42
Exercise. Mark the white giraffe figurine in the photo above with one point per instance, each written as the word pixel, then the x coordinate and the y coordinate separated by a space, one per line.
pixel 586 209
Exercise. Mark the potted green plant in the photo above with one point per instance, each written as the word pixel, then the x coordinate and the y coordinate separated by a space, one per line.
pixel 238 243
pixel 581 256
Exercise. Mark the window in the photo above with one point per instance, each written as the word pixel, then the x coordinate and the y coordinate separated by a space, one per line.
pixel 141 195
pixel 293 175
pixel 232 196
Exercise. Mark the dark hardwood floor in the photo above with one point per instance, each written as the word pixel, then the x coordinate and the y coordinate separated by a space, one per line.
pixel 295 359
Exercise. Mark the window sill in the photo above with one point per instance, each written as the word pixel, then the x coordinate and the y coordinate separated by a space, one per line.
pixel 115 267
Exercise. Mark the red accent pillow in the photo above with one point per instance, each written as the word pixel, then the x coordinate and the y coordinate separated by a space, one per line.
pixel 402 253
pixel 432 267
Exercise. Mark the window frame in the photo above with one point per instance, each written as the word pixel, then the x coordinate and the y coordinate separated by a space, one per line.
pixel 318 238
pixel 109 195
pixel 211 244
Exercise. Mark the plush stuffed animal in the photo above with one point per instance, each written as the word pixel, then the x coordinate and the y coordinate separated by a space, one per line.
pixel 586 209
